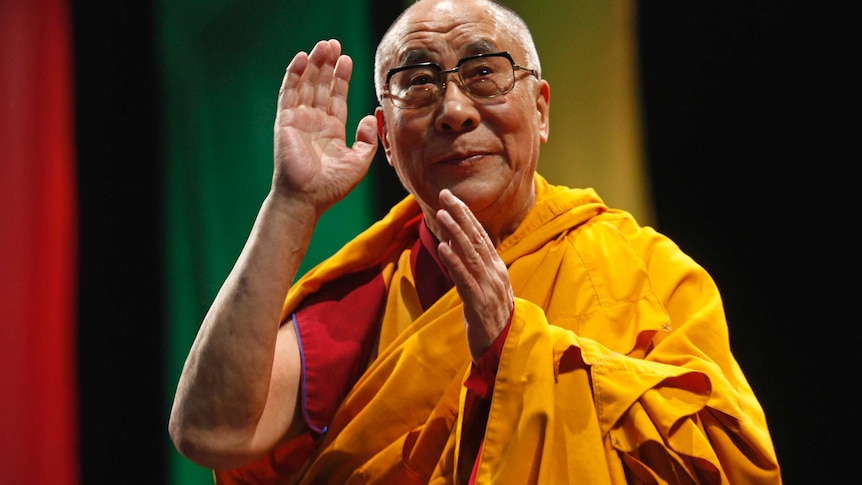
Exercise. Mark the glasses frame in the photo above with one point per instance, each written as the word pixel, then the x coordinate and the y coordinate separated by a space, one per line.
pixel 456 69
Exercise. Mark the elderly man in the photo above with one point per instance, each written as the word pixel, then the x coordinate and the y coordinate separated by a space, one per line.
pixel 492 328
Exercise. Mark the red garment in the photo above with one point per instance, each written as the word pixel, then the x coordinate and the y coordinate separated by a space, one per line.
pixel 337 328
pixel 480 387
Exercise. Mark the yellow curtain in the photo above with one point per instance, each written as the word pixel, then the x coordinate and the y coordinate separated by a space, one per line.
pixel 589 56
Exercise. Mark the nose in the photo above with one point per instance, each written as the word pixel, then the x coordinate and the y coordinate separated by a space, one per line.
pixel 456 110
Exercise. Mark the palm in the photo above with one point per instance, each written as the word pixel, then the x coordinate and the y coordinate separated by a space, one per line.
pixel 312 159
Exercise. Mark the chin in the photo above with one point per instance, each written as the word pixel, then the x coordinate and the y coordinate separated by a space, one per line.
pixel 476 200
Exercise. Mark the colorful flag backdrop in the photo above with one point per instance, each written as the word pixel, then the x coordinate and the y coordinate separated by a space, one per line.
pixel 38 246
pixel 220 68
pixel 222 65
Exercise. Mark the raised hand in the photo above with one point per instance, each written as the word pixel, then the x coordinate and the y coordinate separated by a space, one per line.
pixel 479 274
pixel 312 161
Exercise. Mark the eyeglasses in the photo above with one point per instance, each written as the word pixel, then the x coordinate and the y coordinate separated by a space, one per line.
pixel 481 76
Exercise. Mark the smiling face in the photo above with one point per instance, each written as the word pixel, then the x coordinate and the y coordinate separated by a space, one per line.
pixel 484 150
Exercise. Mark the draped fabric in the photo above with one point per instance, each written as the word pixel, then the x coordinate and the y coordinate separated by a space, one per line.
pixel 617 366
pixel 38 245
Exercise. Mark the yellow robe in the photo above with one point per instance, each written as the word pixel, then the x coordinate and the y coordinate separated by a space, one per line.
pixel 616 369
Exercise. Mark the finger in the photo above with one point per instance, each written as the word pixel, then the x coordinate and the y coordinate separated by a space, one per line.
pixel 479 281
pixel 473 258
pixel 308 85
pixel 468 288
pixel 365 141
pixel 468 236
pixel 287 95
pixel 323 86
pixel 340 87
pixel 465 261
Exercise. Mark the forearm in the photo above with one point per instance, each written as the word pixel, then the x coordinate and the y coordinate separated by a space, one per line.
pixel 227 382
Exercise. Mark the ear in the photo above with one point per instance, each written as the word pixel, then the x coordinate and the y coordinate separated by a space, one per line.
pixel 543 107
pixel 383 133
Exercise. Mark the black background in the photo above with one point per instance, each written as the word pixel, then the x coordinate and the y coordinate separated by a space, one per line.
pixel 744 138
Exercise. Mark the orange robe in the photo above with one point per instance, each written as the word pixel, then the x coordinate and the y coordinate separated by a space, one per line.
pixel 616 369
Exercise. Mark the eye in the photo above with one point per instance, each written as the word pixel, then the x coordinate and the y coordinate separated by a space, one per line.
pixel 478 70
pixel 420 78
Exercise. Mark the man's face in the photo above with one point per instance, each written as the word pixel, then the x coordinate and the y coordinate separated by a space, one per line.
pixel 484 150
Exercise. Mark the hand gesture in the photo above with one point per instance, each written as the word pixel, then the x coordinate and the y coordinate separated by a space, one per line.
pixel 313 164
pixel 479 274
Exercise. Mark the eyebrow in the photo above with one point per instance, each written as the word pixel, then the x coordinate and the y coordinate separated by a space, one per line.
pixel 480 47
pixel 417 56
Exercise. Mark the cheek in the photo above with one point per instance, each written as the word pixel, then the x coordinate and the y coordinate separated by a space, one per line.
pixel 529 130
pixel 406 145
pixel 408 170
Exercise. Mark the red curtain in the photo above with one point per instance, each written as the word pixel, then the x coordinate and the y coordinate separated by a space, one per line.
pixel 38 245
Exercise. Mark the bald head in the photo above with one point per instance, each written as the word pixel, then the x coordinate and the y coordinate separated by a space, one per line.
pixel 508 23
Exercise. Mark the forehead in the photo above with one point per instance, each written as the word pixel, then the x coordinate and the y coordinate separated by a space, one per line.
pixel 444 31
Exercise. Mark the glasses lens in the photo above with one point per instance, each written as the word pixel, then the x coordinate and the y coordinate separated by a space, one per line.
pixel 482 76
pixel 487 76
pixel 415 87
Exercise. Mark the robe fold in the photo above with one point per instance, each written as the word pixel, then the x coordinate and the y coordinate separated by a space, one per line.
pixel 616 368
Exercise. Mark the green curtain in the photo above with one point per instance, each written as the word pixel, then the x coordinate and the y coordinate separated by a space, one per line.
pixel 221 66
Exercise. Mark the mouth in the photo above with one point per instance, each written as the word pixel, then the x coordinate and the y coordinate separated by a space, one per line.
pixel 462 159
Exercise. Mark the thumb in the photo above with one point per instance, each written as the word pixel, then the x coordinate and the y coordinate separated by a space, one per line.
pixel 366 138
